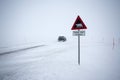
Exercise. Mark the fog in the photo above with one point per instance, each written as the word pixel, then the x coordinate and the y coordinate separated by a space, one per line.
pixel 25 21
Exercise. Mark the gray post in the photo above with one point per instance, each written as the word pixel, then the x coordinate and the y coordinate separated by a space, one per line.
pixel 79 47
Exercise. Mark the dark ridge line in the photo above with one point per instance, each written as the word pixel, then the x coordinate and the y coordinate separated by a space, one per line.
pixel 9 52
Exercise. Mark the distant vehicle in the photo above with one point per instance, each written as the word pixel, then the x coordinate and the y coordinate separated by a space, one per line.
pixel 62 39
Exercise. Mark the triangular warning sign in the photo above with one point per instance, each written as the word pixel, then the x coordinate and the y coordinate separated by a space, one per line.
pixel 78 24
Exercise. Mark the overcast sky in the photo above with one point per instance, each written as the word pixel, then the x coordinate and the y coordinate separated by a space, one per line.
pixel 23 21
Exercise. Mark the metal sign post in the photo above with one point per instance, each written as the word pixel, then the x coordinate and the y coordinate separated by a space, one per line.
pixel 79 47
pixel 79 33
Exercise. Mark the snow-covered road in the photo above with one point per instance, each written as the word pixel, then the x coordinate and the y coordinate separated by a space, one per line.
pixel 58 61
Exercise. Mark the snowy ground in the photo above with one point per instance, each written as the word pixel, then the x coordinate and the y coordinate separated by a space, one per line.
pixel 58 61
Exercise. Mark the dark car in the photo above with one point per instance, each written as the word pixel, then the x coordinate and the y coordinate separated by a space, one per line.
pixel 62 39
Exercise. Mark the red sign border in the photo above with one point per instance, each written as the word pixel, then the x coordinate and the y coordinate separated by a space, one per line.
pixel 74 28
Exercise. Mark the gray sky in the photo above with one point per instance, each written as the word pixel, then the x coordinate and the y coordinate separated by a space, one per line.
pixel 23 21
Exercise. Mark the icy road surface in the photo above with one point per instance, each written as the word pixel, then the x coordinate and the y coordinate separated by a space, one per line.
pixel 58 61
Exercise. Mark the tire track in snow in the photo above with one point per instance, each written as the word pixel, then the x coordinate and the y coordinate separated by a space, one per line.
pixel 19 50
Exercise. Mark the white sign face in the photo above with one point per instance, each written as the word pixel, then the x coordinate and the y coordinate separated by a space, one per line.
pixel 76 33
pixel 79 25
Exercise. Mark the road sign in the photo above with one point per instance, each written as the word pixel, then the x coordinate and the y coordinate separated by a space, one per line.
pixel 76 33
pixel 78 24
